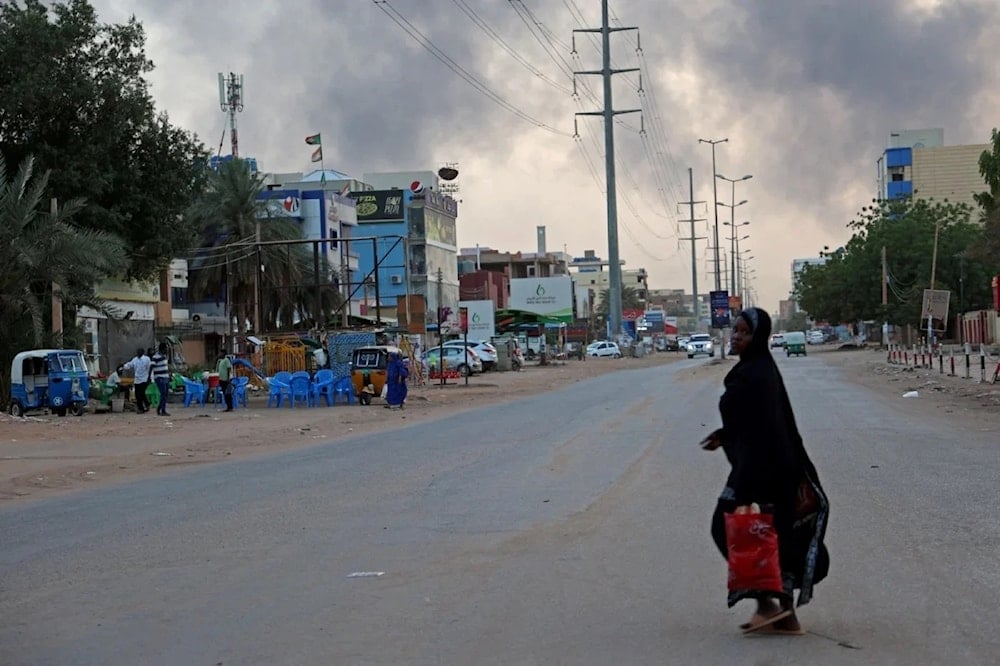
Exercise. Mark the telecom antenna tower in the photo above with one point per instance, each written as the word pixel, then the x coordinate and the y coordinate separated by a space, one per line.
pixel 231 102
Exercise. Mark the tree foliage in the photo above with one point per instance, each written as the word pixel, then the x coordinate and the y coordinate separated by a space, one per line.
pixel 227 215
pixel 849 286
pixel 72 94
pixel 989 168
pixel 38 248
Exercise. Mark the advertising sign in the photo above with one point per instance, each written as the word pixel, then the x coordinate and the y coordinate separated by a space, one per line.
pixel 935 307
pixel 482 320
pixel 670 325
pixel 550 297
pixel 379 205
pixel 719 301
pixel 654 321
pixel 735 303
pixel 463 319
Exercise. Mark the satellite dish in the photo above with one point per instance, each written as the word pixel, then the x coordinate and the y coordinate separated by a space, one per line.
pixel 448 173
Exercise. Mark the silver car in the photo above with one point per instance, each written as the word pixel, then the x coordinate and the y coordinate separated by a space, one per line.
pixel 464 361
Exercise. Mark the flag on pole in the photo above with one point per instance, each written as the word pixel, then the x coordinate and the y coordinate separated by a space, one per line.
pixel 314 140
pixel 317 155
pixel 345 189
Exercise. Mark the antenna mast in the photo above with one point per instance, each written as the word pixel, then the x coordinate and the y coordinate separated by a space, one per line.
pixel 231 103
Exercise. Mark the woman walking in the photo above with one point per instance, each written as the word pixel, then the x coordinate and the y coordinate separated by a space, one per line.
pixel 395 379
pixel 770 467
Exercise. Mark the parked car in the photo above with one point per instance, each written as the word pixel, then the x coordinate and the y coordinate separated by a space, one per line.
pixel 700 343
pixel 777 340
pixel 682 343
pixel 487 352
pixel 604 348
pixel 454 359
pixel 815 337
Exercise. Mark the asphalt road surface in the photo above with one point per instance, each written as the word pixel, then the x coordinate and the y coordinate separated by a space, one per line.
pixel 568 528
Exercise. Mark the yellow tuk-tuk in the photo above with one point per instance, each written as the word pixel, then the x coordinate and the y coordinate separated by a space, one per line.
pixel 368 371
pixel 795 343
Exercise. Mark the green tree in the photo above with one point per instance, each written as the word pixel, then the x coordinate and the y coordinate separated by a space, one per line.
pixel 630 300
pixel 849 286
pixel 989 168
pixel 39 248
pixel 73 94
pixel 228 214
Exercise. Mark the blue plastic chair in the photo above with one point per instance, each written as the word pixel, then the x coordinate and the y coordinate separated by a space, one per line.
pixel 279 387
pixel 322 385
pixel 301 389
pixel 343 387
pixel 194 392
pixel 239 393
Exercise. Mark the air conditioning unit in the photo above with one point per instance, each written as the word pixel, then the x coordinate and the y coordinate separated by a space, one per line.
pixel 396 279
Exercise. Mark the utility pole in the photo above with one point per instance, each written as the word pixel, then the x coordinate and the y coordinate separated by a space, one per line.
pixel 694 254
pixel 615 268
pixel 715 204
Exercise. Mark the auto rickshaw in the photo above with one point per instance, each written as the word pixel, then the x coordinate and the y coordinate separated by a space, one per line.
pixel 368 371
pixel 53 379
pixel 795 343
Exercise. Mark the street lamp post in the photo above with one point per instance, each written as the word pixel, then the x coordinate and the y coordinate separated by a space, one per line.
pixel 732 223
pixel 715 200
pixel 732 246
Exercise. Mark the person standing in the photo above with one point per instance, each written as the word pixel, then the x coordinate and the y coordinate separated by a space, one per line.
pixel 769 467
pixel 395 379
pixel 140 366
pixel 225 369
pixel 160 370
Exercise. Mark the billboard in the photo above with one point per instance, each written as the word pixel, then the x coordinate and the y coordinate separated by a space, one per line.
pixel 379 205
pixel 670 325
pixel 482 319
pixel 719 301
pixel 935 307
pixel 550 297
pixel 654 320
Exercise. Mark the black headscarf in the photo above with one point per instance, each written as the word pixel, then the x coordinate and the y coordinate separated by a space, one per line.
pixel 760 328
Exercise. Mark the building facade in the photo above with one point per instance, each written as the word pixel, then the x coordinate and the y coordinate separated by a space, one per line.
pixel 917 163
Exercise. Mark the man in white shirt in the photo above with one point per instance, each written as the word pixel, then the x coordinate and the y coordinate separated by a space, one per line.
pixel 140 365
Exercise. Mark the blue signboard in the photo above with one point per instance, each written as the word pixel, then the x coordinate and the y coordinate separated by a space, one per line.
pixel 720 308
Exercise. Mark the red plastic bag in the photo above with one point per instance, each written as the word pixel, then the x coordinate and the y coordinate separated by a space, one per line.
pixel 752 543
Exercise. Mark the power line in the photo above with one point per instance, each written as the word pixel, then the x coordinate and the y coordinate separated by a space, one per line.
pixel 463 73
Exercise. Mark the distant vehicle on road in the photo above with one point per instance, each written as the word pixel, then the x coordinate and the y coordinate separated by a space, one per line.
pixel 815 337
pixel 700 343
pixel 486 351
pixel 777 340
pixel 795 343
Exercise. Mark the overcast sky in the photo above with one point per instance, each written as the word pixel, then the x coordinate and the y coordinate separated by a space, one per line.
pixel 805 91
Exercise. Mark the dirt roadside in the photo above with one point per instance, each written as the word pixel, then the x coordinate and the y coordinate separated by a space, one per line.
pixel 46 456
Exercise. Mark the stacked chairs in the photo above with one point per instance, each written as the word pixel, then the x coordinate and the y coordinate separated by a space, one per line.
pixel 194 392
pixel 279 388
pixel 301 388
pixel 344 387
pixel 322 385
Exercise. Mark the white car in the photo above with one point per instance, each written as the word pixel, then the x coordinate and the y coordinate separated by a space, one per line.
pixel 815 338
pixel 604 348
pixel 466 364
pixel 700 343
pixel 486 351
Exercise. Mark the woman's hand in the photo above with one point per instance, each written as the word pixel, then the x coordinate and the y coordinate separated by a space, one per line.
pixel 712 442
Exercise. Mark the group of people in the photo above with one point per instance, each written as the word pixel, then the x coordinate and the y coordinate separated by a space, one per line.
pixel 146 366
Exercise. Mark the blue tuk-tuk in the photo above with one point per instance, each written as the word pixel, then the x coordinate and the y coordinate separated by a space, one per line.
pixel 54 379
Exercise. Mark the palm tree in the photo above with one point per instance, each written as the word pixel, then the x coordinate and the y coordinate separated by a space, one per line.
pixel 39 249
pixel 229 214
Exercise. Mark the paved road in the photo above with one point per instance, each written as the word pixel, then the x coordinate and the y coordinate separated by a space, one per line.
pixel 569 528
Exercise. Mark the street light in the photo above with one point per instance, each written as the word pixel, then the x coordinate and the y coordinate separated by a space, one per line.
pixel 732 248
pixel 715 200
pixel 732 214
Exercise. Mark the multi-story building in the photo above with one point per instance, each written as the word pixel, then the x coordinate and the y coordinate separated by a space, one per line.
pixel 591 279
pixel 917 163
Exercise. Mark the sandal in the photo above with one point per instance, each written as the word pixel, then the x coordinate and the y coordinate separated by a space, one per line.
pixel 758 622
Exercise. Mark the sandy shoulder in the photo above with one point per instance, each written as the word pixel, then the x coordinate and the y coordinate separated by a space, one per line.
pixel 45 456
